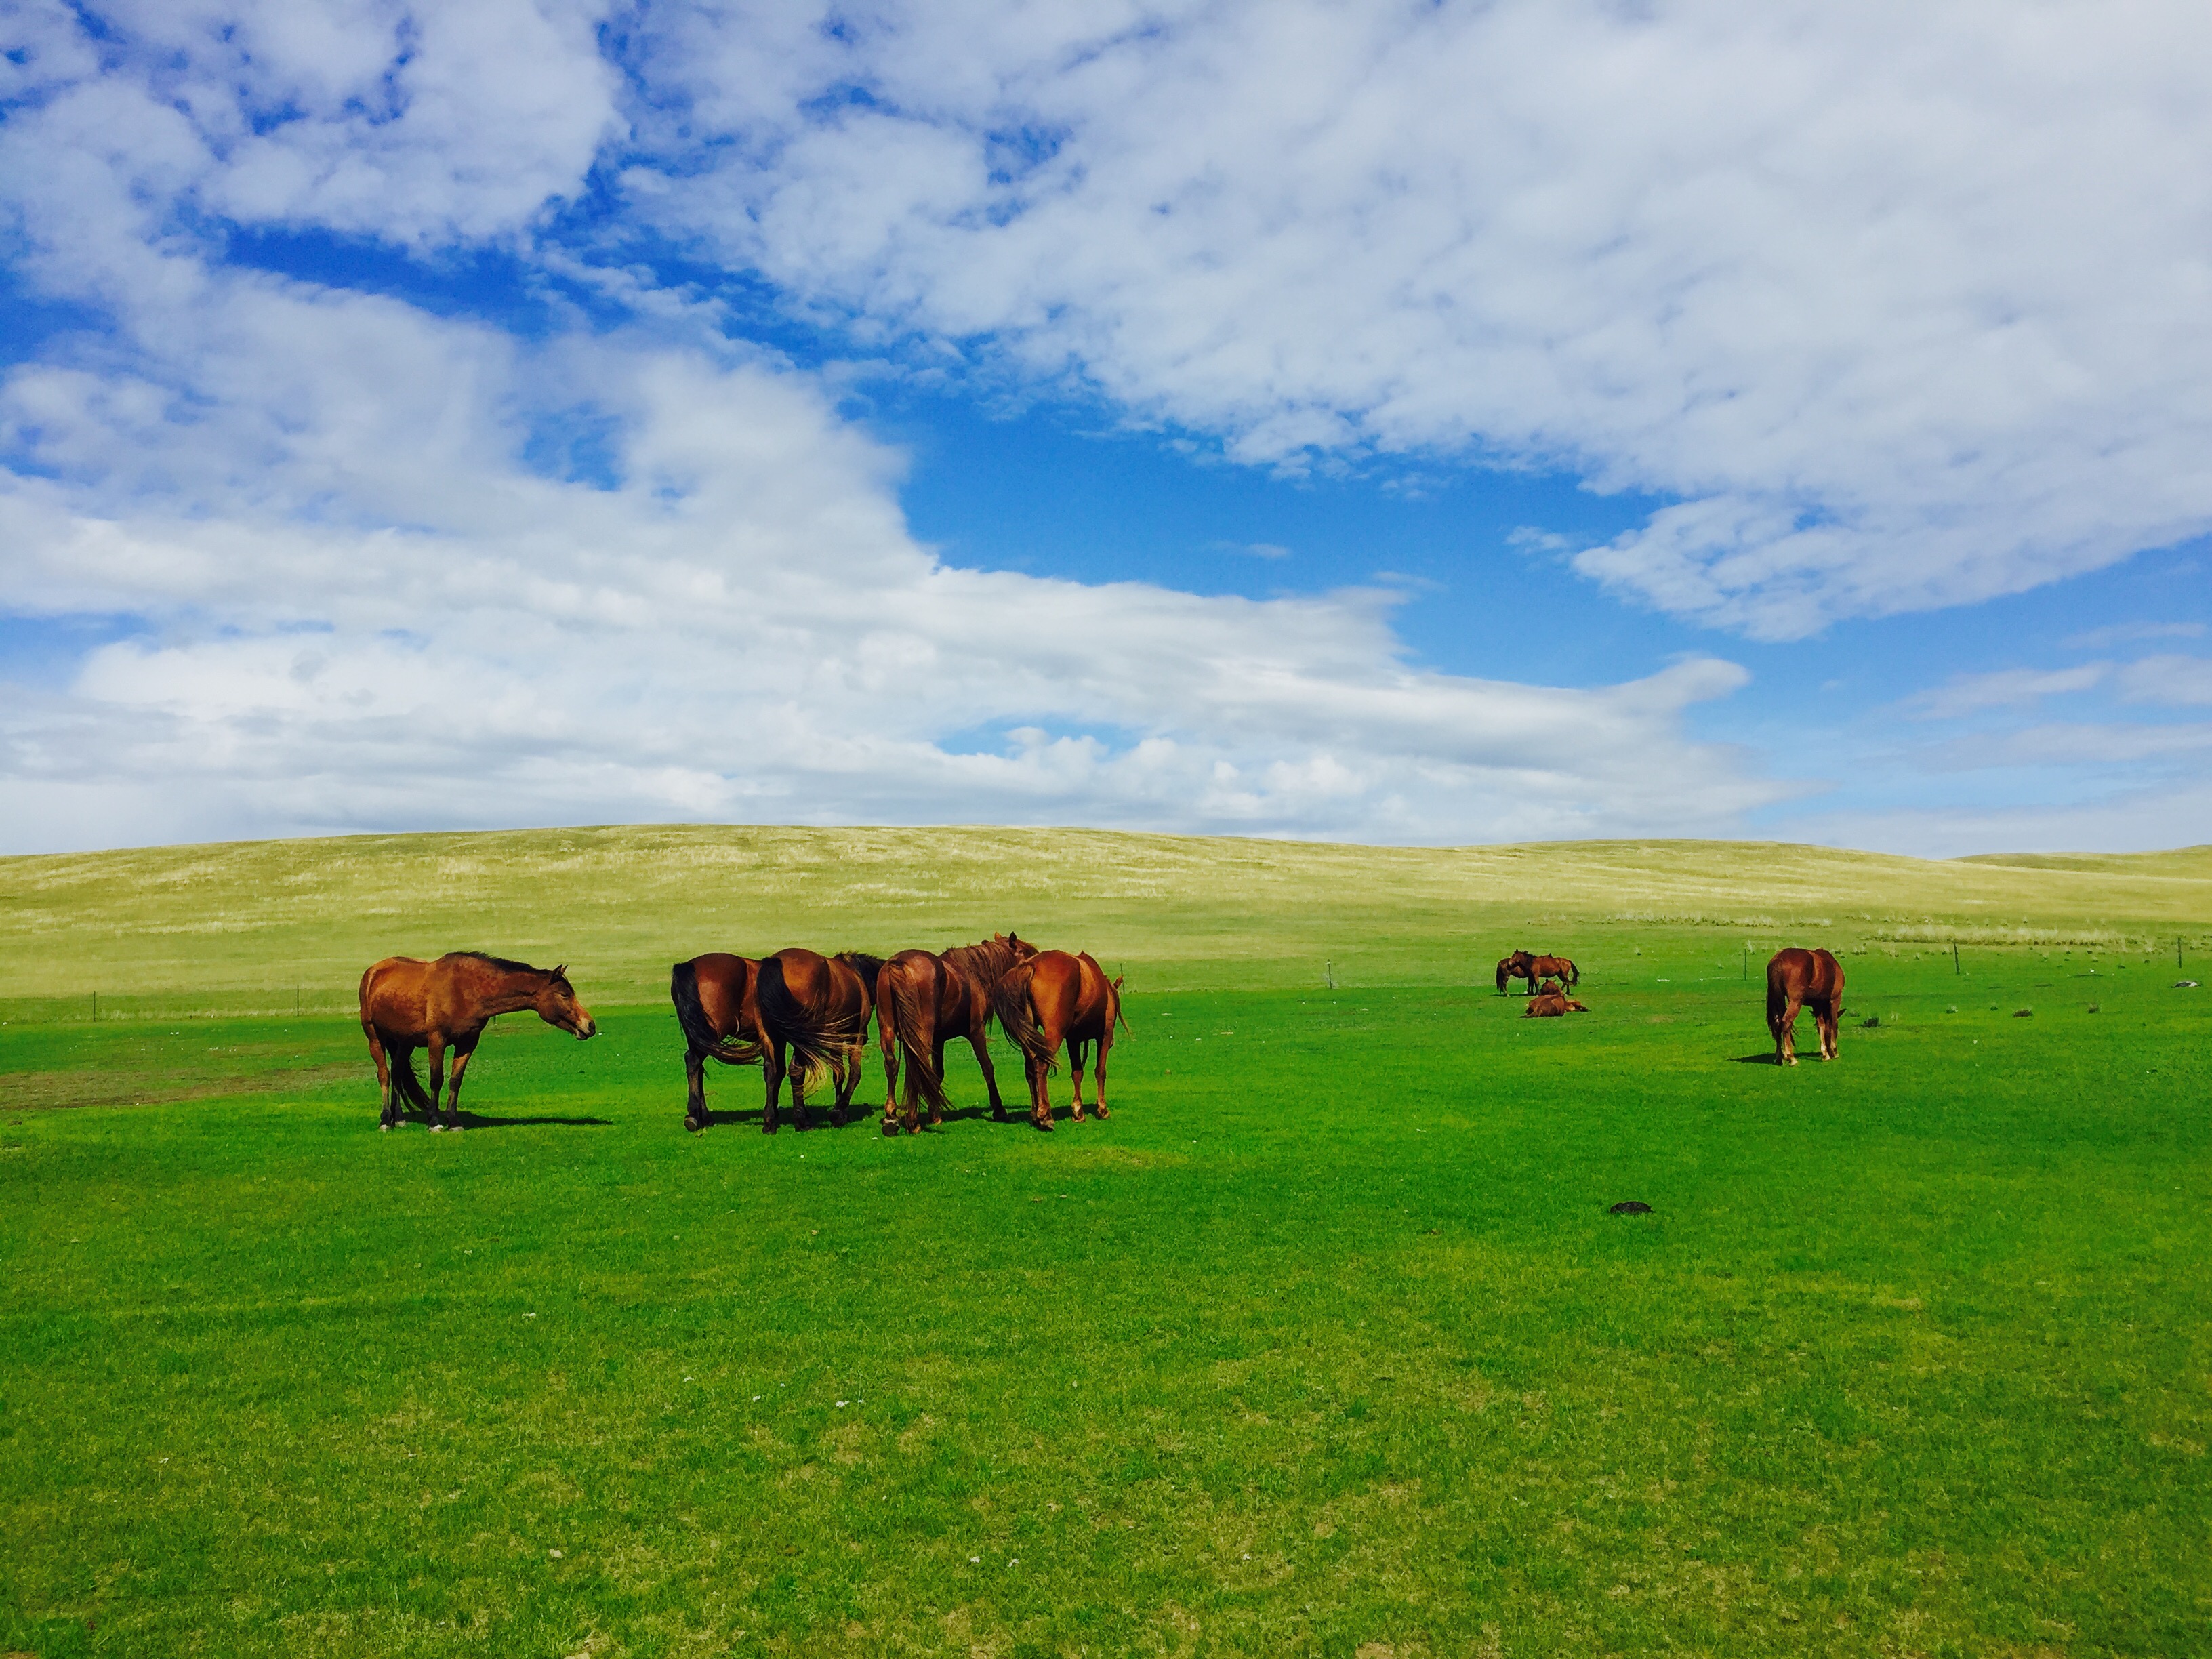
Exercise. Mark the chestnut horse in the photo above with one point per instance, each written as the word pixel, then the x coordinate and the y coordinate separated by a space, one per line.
pixel 1803 979
pixel 1051 998
pixel 714 999
pixel 813 1018
pixel 923 1001
pixel 1522 965
pixel 1550 1002
pixel 407 1004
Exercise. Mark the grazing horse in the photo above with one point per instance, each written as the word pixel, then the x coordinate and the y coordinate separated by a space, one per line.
pixel 1051 998
pixel 1803 979
pixel 813 1018
pixel 714 999
pixel 407 1004
pixel 1549 1002
pixel 922 1002
pixel 1522 965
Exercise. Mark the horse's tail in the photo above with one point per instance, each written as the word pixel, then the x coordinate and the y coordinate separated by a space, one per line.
pixel 812 1049
pixel 902 1010
pixel 1120 1018
pixel 1574 974
pixel 691 1015
pixel 401 1062
pixel 1504 973
pixel 1010 1001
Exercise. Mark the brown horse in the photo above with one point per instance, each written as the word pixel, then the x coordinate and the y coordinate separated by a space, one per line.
pixel 1549 1002
pixel 1522 965
pixel 813 1018
pixel 923 1001
pixel 407 1004
pixel 714 998
pixel 1049 998
pixel 1803 979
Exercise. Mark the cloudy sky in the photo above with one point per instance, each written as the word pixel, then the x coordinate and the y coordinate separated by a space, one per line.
pixel 1407 423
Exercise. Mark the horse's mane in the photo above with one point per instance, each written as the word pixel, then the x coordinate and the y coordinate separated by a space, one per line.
pixel 862 962
pixel 985 961
pixel 506 964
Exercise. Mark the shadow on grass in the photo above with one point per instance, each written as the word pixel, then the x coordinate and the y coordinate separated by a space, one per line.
pixel 1764 1057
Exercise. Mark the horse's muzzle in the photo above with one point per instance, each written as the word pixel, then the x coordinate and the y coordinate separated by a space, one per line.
pixel 586 1030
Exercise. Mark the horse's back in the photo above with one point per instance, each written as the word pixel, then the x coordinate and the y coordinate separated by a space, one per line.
pixel 1809 976
pixel 393 992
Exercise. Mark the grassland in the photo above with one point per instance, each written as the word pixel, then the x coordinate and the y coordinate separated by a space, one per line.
pixel 1325 1343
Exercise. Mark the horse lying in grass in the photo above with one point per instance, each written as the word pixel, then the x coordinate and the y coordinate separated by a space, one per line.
pixel 923 1001
pixel 407 1004
pixel 1051 998
pixel 1522 965
pixel 814 1019
pixel 1550 1002
pixel 1803 979
pixel 714 1002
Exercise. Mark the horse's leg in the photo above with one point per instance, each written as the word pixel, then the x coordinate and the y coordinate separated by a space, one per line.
pixel 977 1041
pixel 1823 1017
pixel 772 1069
pixel 463 1049
pixel 1105 1048
pixel 799 1118
pixel 888 1031
pixel 1786 1032
pixel 1077 1054
pixel 696 1115
pixel 388 1115
pixel 437 1076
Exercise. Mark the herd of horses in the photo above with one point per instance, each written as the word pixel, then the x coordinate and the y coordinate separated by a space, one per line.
pixel 1797 981
pixel 801 1017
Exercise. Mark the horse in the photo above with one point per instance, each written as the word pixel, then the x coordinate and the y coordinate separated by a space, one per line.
pixel 406 1004
pixel 1803 979
pixel 1051 998
pixel 1522 965
pixel 922 1002
pixel 1546 1004
pixel 714 996
pixel 813 1018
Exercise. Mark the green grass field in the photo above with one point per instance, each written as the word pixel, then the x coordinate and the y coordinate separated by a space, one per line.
pixel 1325 1343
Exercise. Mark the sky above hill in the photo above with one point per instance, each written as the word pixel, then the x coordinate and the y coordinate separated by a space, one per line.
pixel 1403 422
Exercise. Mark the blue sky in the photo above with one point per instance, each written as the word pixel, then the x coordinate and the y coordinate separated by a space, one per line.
pixel 1408 423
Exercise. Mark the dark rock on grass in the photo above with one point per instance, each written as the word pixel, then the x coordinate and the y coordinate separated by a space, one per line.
pixel 1631 1206
pixel 2023 1013
pixel 1871 1021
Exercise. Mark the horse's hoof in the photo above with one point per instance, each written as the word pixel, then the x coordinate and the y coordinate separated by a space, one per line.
pixel 891 1129
pixel 1044 1124
pixel 384 1128
pixel 437 1128
pixel 1103 1113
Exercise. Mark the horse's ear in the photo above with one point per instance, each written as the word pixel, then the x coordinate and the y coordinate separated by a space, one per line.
pixel 562 972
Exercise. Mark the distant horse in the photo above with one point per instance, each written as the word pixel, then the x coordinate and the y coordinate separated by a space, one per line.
pixel 814 1019
pixel 407 1004
pixel 1051 998
pixel 922 1002
pixel 1550 1002
pixel 714 998
pixel 1803 979
pixel 1517 966
pixel 1556 968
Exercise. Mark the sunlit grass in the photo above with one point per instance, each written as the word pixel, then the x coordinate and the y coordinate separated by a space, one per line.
pixel 1325 1340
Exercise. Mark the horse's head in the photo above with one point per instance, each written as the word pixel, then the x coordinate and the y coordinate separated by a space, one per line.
pixel 557 1004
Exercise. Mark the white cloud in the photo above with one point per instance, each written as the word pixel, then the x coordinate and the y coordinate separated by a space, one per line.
pixel 2104 639
pixel 2010 688
pixel 2168 679
pixel 1904 303
pixel 364 609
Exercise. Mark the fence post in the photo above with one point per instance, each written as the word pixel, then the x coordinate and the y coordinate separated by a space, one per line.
pixel 1954 955
pixel 95 1004
pixel 1328 974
